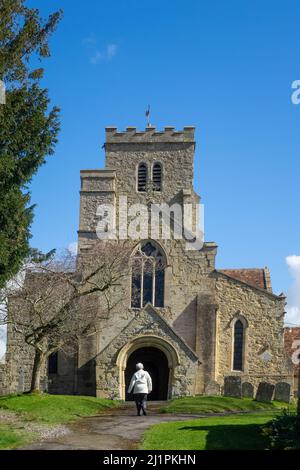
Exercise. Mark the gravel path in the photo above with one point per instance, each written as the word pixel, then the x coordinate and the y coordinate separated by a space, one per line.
pixel 42 430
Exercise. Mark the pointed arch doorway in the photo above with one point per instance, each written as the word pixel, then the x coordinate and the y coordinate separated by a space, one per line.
pixel 156 363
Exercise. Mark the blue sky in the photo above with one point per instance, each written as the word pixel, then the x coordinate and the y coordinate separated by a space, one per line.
pixel 225 67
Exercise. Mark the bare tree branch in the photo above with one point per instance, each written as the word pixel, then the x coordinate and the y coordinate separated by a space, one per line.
pixel 61 299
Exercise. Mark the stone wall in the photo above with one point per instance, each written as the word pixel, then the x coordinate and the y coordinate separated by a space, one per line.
pixel 124 152
pixel 19 363
pixel 3 379
pixel 65 380
pixel 188 292
pixel 263 313
pixel 146 324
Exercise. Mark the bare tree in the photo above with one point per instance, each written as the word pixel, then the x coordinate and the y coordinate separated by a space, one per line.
pixel 55 302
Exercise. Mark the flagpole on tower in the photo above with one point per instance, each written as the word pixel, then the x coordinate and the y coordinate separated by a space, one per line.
pixel 148 116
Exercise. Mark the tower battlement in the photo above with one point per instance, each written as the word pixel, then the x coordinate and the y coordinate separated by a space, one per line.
pixel 150 134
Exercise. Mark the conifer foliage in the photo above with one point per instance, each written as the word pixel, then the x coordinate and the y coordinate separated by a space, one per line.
pixel 29 126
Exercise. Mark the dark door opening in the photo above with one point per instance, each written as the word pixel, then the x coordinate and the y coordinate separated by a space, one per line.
pixel 156 363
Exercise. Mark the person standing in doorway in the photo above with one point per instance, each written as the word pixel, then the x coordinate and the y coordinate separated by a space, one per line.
pixel 141 385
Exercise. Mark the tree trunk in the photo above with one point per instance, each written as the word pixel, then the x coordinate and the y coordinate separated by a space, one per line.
pixel 39 361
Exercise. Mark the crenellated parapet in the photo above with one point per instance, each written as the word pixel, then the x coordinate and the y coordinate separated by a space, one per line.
pixel 150 134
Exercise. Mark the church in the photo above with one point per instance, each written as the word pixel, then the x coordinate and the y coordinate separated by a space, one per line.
pixel 191 323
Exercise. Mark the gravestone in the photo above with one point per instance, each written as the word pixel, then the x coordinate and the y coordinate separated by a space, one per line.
pixel 282 392
pixel 265 392
pixel 233 386
pixel 212 388
pixel 247 390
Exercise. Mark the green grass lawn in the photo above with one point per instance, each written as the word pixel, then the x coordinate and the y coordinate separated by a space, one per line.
pixel 11 437
pixel 218 404
pixel 236 432
pixel 54 409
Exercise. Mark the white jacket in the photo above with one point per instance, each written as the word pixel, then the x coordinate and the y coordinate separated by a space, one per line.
pixel 141 382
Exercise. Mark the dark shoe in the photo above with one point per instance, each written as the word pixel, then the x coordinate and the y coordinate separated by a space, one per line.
pixel 144 412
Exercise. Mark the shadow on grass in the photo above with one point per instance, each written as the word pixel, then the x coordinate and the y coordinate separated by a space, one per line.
pixel 232 437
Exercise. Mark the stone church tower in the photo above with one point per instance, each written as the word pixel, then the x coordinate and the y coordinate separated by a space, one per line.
pixel 193 325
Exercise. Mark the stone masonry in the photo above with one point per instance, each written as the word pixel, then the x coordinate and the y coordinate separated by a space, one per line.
pixel 196 326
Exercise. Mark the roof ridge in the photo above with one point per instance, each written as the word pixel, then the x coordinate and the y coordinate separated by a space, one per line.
pixel 279 297
pixel 241 269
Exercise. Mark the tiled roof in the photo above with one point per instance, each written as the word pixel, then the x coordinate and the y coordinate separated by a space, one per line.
pixel 254 277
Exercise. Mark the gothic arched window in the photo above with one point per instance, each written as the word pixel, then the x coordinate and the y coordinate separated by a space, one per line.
pixel 148 277
pixel 142 177
pixel 238 345
pixel 157 176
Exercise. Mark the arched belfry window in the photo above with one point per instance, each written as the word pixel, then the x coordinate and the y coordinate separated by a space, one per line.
pixel 238 345
pixel 148 276
pixel 157 176
pixel 142 177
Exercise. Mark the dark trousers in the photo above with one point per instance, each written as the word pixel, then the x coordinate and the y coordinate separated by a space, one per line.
pixel 140 401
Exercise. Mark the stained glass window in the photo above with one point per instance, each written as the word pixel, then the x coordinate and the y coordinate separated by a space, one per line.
pixel 148 277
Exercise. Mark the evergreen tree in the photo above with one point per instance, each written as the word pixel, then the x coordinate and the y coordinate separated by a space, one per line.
pixel 28 126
